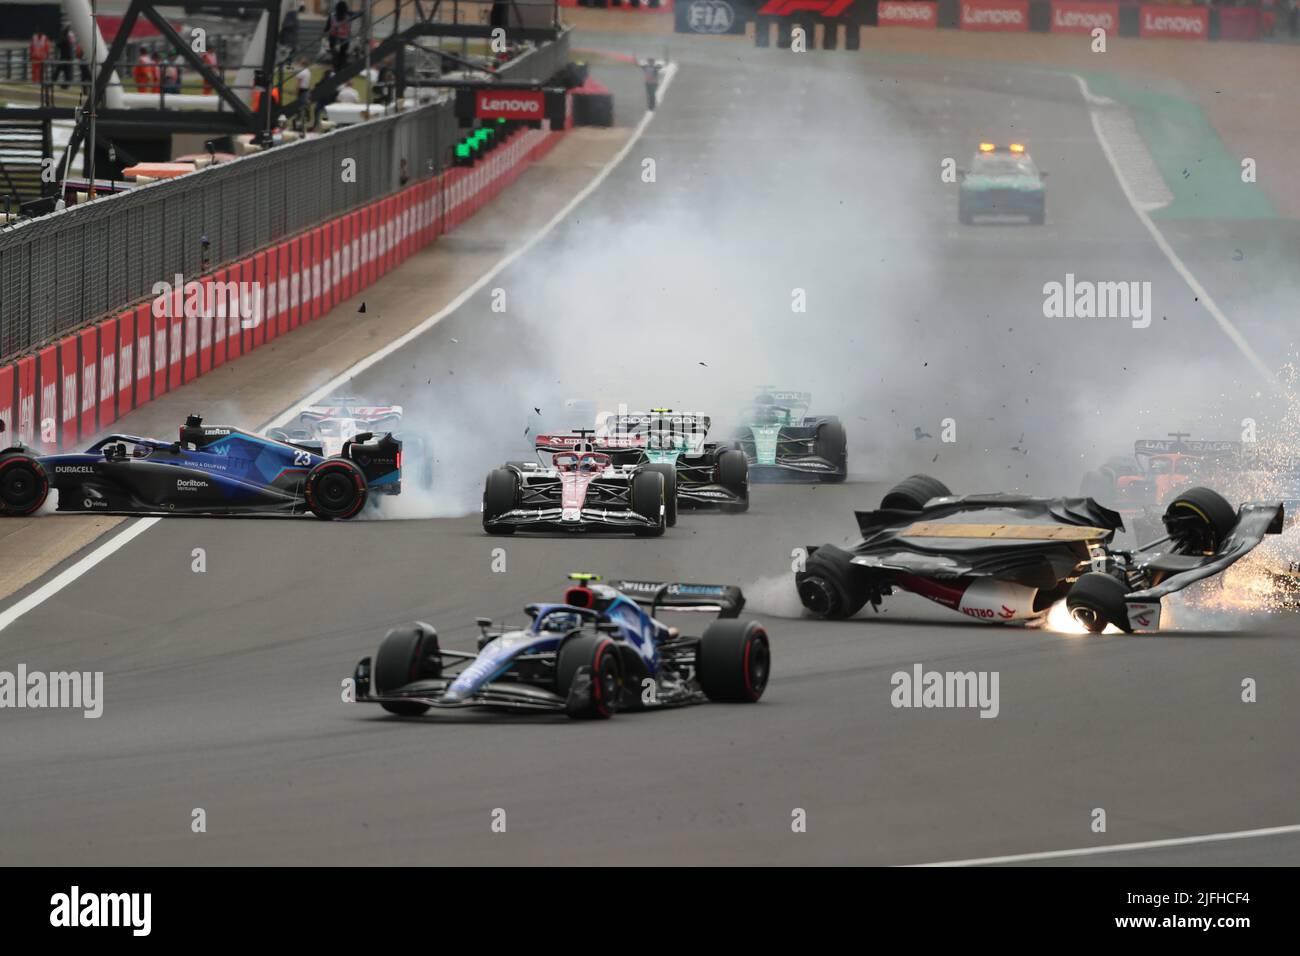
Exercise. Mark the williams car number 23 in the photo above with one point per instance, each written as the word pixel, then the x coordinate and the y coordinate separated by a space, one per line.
pixel 208 471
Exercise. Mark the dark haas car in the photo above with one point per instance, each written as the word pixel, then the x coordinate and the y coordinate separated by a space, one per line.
pixel 706 474
pixel 596 652
pixel 209 471
pixel 341 419
pixel 1005 558
pixel 1002 181
pixel 781 441
pixel 572 487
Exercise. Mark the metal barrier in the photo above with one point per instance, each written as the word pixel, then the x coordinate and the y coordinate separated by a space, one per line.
pixel 61 271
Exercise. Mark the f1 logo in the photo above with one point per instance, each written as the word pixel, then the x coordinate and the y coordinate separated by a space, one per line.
pixel 782 8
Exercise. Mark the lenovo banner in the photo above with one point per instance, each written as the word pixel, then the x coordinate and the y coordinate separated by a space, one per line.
pixel 1004 15
pixel 510 104
pixel 908 13
pixel 1182 23
pixel 1074 16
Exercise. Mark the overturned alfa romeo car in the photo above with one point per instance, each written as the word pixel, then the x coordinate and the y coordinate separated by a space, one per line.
pixel 1006 558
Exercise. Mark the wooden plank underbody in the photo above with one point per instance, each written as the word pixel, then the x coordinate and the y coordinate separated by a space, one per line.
pixel 1023 532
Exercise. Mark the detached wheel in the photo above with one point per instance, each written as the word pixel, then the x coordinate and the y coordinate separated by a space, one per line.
pixel 912 493
pixel 1097 600
pixel 24 485
pixel 648 502
pixel 832 443
pixel 733 474
pixel 336 489
pixel 733 661
pixel 670 491
pixel 1199 520
pixel 588 676
pixel 406 654
pixel 499 496
pixel 830 586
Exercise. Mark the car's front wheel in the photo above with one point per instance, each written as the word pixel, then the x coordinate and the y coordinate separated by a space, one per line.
pixel 23 485
pixel 336 489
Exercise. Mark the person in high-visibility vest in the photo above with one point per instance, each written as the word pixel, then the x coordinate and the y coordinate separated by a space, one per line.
pixel 256 105
pixel 145 73
pixel 39 50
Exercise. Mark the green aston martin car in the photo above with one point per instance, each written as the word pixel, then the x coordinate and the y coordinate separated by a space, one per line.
pixel 1002 181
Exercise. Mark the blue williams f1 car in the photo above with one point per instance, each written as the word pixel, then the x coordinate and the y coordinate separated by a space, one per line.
pixel 596 652
pixel 209 471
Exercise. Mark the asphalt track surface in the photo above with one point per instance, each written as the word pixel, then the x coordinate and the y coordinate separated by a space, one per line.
pixel 223 688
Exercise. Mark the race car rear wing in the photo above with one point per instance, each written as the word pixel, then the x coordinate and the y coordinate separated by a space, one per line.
pixel 725 600
pixel 1145 447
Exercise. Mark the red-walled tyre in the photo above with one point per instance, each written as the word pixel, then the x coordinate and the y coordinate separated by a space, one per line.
pixel 24 485
pixel 336 489
pixel 589 676
pixel 733 661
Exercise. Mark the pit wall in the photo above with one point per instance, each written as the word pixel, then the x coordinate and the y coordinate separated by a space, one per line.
pixel 73 389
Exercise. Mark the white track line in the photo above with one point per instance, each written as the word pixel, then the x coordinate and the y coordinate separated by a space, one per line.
pixel 1122 847
pixel 137 528
pixel 1180 267
pixel 61 581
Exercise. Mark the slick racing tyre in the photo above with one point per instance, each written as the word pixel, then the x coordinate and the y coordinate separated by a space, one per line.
pixel 405 655
pixel 830 586
pixel 1096 600
pixel 588 676
pixel 336 489
pixel 648 501
pixel 733 474
pixel 670 491
pixel 499 496
pixel 24 485
pixel 832 444
pixel 733 661
pixel 912 493
pixel 1198 521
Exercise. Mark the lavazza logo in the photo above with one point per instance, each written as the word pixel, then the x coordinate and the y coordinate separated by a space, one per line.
pixel 710 16
pixel 1082 299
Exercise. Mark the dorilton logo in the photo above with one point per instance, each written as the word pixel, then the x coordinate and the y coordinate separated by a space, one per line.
pixel 186 484
pixel 75 909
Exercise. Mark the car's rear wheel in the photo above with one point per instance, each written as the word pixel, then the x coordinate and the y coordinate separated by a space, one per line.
pixel 1096 600
pixel 406 654
pixel 733 661
pixel 588 676
pixel 830 586
pixel 1199 520
pixel 500 493
pixel 336 489
pixel 648 502
pixel 733 474
pixel 24 485
pixel 832 444
pixel 912 493
pixel 670 491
